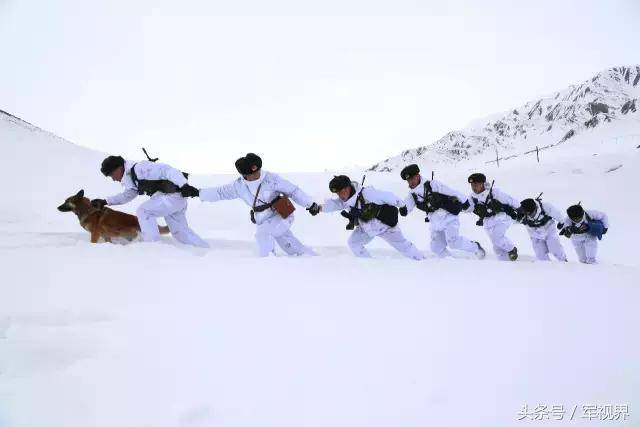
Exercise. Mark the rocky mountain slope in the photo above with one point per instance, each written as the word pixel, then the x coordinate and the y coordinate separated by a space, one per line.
pixel 609 96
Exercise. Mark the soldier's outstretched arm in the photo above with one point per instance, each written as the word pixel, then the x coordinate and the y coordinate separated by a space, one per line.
pixel 171 174
pixel 439 187
pixel 409 203
pixel 293 191
pixel 120 199
pixel 381 197
pixel 553 212
pixel 332 205
pixel 215 194
pixel 600 216
pixel 503 197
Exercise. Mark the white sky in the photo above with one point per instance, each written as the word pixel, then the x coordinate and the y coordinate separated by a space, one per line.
pixel 307 85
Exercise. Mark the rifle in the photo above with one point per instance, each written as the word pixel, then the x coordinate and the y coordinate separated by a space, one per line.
pixel 425 194
pixel 480 221
pixel 354 213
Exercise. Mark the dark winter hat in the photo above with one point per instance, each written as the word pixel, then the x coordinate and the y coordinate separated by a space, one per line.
pixel 245 164
pixel 339 182
pixel 528 206
pixel 409 171
pixel 254 160
pixel 241 166
pixel 575 213
pixel 477 177
pixel 110 164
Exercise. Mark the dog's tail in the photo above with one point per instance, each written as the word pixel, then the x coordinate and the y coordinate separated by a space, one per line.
pixel 164 229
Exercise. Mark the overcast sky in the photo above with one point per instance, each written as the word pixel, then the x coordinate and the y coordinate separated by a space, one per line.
pixel 307 86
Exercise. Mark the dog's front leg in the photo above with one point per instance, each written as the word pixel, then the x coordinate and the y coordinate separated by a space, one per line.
pixel 95 236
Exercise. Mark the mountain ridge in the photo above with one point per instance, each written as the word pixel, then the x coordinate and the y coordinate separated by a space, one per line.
pixel 608 96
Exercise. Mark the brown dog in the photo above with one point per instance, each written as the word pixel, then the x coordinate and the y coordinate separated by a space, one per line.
pixel 106 222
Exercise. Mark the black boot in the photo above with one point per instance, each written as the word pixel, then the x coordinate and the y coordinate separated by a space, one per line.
pixel 513 254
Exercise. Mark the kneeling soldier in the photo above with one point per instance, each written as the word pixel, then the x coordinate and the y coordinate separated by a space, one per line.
pixel 442 206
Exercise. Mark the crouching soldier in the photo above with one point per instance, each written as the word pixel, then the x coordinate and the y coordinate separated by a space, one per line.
pixel 495 210
pixel 540 219
pixel 371 213
pixel 268 196
pixel 584 228
pixel 442 206
pixel 160 181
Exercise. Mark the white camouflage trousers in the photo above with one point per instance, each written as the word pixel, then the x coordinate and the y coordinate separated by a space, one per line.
pixel 278 230
pixel 393 236
pixel 497 234
pixel 445 233
pixel 545 240
pixel 586 247
pixel 172 207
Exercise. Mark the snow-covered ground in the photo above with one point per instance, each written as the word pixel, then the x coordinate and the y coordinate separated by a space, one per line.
pixel 166 335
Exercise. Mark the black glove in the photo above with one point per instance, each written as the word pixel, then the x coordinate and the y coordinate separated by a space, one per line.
pixel 99 203
pixel 465 205
pixel 480 210
pixel 519 215
pixel 565 232
pixel 435 201
pixel 560 226
pixel 314 209
pixel 403 211
pixel 352 220
pixel 604 230
pixel 495 205
pixel 189 191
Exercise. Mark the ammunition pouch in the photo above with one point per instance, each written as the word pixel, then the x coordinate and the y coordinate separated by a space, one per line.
pixel 152 186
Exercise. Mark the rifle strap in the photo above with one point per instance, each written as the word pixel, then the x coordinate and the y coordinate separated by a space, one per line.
pixel 149 158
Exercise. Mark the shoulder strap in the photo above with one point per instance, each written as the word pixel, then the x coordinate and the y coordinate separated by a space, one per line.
pixel 541 208
pixel 427 189
pixel 255 199
pixel 360 198
pixel 134 177
pixel 149 158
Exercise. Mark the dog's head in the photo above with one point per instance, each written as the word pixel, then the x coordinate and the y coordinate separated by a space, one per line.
pixel 74 202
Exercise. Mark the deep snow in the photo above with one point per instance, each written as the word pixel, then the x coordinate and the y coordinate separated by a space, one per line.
pixel 166 335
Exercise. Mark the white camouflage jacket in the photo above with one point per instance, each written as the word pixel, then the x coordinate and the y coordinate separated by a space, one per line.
pixel 498 195
pixel 271 185
pixel 593 214
pixel 436 187
pixel 371 195
pixel 549 210
pixel 145 170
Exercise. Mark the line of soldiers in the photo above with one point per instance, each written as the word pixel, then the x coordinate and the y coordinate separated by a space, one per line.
pixel 371 212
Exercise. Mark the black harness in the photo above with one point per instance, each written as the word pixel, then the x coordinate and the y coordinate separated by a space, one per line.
pixel 433 200
pixel 427 203
pixel 487 209
pixel 574 229
pixel 491 207
pixel 152 186
pixel 386 214
pixel 542 221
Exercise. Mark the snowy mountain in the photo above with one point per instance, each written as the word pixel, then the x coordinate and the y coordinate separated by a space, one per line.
pixel 610 96
pixel 163 335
